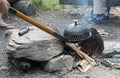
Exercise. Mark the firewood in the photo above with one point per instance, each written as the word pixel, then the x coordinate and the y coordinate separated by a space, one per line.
pixel 86 62
pixel 80 52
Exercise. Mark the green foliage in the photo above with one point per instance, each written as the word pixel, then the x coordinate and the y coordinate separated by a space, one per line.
pixel 36 2
pixel 46 4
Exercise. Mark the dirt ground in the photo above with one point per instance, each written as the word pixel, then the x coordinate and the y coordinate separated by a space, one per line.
pixel 59 19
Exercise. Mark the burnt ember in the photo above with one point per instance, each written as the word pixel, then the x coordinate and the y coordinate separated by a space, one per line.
pixel 69 51
pixel 114 54
pixel 93 46
pixel 25 64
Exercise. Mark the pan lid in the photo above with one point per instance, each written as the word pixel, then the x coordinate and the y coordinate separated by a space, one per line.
pixel 76 32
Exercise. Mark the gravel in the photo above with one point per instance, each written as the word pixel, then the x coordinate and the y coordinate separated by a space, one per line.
pixel 58 20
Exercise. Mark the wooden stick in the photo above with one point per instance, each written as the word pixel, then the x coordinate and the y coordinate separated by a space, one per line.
pixel 80 52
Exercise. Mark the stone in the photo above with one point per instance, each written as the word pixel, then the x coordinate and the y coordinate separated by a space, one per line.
pixel 63 63
pixel 12 1
pixel 111 46
pixel 35 45
pixel 25 7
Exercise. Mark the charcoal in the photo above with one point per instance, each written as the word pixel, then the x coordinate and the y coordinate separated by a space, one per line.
pixel 93 46
pixel 114 54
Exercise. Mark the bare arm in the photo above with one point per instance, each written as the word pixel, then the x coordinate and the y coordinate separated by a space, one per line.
pixel 4 6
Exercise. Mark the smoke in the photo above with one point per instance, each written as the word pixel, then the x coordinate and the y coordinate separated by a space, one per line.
pixel 85 8
pixel 82 11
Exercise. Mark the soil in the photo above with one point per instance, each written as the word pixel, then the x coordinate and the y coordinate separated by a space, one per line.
pixel 58 20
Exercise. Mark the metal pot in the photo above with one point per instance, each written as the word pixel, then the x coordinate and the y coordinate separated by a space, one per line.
pixel 76 32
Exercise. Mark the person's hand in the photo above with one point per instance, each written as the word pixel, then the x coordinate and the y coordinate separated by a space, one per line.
pixel 4 6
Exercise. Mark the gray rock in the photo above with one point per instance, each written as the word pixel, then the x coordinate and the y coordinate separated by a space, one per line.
pixel 35 45
pixel 25 7
pixel 111 46
pixel 63 63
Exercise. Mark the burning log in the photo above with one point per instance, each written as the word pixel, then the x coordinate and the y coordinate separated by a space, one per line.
pixel 107 63
pixel 91 46
pixel 94 45
pixel 86 62
pixel 110 64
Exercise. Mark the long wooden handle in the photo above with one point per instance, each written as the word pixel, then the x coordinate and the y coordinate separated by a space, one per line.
pixel 36 23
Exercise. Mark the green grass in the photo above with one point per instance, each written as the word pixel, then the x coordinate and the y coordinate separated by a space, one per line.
pixel 46 4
